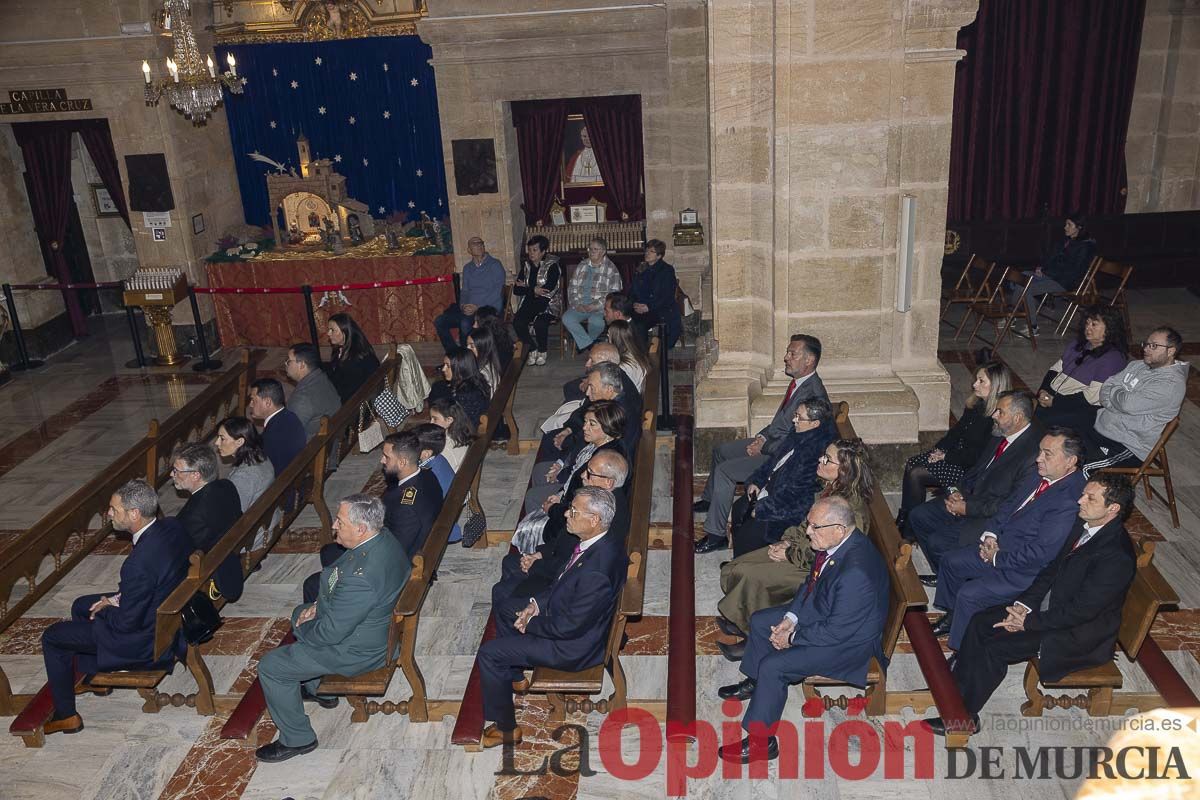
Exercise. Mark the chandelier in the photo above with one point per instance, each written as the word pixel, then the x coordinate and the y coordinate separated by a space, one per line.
pixel 192 87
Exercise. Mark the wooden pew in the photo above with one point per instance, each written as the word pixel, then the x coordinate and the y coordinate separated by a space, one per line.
pixel 63 534
pixel 1148 593
pixel 904 593
pixel 559 685
pixel 406 614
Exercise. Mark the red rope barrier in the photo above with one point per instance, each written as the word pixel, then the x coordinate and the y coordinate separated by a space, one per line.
pixel 58 287
pixel 331 287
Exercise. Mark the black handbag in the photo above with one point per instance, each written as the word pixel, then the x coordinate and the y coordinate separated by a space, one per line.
pixel 200 619
pixel 474 526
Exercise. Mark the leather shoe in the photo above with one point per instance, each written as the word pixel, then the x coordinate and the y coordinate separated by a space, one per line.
pixel 521 686
pixel 733 652
pixel 84 687
pixel 277 751
pixel 737 691
pixel 71 724
pixel 324 701
pixel 742 751
pixel 493 736
pixel 942 626
pixel 728 628
pixel 938 726
pixel 710 544
pixel 700 506
pixel 928 580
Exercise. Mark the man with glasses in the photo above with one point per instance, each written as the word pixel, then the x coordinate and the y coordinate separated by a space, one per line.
pixel 564 626
pixel 833 627
pixel 1137 403
pixel 212 508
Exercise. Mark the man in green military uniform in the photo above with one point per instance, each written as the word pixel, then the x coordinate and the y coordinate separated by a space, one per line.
pixel 344 632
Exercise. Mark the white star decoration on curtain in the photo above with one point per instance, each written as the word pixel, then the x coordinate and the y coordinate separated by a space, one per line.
pixel 320 109
pixel 272 124
pixel 353 76
pixel 317 61
pixel 387 115
pixel 338 158
pixel 385 66
pixel 381 210
pixel 420 173
pixel 411 204
pixel 352 120
pixel 415 82
pixel 439 201
pixel 295 84
pixel 275 72
pixel 364 162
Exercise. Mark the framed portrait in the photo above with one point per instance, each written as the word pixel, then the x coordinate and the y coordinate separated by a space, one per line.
pixel 103 202
pixel 198 224
pixel 586 213
pixel 160 234
pixel 558 214
pixel 474 166
pixel 579 165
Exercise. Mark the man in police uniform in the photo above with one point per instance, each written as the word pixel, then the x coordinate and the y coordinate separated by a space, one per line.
pixel 411 503
pixel 345 632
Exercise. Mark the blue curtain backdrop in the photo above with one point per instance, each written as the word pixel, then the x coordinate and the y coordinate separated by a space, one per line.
pixel 369 105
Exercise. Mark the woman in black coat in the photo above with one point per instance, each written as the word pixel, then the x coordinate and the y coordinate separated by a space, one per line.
pixel 537 285
pixel 1063 266
pixel 353 360
pixel 653 294
pixel 955 453
pixel 463 383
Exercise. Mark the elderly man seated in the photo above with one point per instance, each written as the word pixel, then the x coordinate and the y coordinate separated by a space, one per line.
pixel 605 380
pixel 1069 616
pixel 345 632
pixel 833 627
pixel 1137 403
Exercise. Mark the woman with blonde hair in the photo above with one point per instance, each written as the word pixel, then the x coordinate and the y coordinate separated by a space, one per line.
pixel 634 361
pixel 961 447
pixel 771 575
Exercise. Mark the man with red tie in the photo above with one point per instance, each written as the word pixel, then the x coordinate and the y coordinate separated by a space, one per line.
pixel 1018 542
pixel 1069 616
pixel 957 518
pixel 734 462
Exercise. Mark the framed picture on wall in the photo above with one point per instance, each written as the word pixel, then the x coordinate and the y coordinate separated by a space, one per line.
pixel 197 224
pixel 579 166
pixel 103 202
pixel 585 213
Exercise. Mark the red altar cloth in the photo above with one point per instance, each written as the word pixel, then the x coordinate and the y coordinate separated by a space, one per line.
pixel 392 314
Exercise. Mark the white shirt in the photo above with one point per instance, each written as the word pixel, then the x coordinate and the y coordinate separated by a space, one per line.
pixel 267 421
pixel 142 530
pixel 828 555
pixel 1009 439
pixel 403 481
pixel 762 492
pixel 1088 532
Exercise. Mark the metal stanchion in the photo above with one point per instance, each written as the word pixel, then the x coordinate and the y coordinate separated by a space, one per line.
pixel 140 360
pixel 312 318
pixel 26 363
pixel 666 421
pixel 206 364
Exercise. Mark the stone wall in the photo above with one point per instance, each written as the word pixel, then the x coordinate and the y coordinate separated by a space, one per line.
pixel 1163 148
pixel 78 44
pixel 824 114
pixel 487 55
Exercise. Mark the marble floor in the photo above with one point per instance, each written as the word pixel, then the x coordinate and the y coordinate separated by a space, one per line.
pixel 102 408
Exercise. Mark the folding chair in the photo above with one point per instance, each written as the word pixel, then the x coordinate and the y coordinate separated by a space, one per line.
pixel 965 291
pixel 1155 466
pixel 1082 296
pixel 983 290
pixel 997 308
pixel 1112 296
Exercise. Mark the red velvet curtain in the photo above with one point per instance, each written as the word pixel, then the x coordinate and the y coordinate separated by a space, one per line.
pixel 540 127
pixel 98 141
pixel 1041 108
pixel 46 147
pixel 615 125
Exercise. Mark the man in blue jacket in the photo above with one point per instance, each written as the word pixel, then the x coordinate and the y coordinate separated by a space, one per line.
pixel 482 284
pixel 566 625
pixel 116 631
pixel 1018 542
pixel 833 627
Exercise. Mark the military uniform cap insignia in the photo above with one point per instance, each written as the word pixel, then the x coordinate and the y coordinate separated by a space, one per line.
pixel 409 497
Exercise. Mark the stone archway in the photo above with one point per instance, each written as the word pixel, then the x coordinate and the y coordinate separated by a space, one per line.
pixel 307 212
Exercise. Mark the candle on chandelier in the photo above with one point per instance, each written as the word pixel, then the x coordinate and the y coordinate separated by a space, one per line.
pixel 146 71
pixel 212 70
pixel 232 64
pixel 173 69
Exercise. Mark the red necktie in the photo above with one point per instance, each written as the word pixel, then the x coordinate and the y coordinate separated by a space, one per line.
pixel 818 563
pixel 1000 449
pixel 788 396
pixel 1043 486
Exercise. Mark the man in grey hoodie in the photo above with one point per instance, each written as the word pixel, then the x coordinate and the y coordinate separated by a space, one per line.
pixel 1137 403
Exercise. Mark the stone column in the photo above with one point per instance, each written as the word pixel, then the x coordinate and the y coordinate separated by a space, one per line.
pixel 825 114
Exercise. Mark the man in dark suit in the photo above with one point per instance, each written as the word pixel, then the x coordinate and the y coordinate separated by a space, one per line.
pixel 565 626
pixel 574 389
pixel 525 575
pixel 734 462
pixel 1018 542
pixel 283 433
pixel 411 503
pixel 314 396
pixel 605 380
pixel 1069 616
pixel 109 632
pixel 212 509
pixel 833 627
pixel 957 519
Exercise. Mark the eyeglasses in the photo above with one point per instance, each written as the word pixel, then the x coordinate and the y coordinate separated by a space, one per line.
pixel 824 459
pixel 808 524
pixel 177 471
pixel 1154 345
pixel 587 473
pixel 575 512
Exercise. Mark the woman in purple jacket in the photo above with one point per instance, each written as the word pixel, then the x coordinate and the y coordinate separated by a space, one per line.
pixel 1070 393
